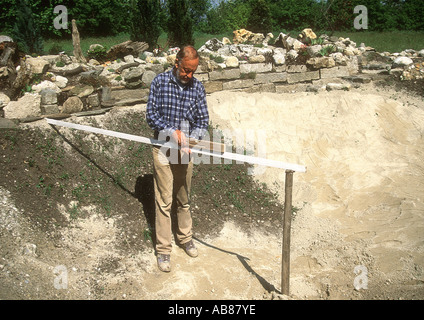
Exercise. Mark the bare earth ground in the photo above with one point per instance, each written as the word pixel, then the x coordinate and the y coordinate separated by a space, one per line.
pixel 80 205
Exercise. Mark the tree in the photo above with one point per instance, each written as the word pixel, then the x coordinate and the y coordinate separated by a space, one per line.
pixel 408 14
pixel 7 14
pixel 260 17
pixel 198 10
pixel 180 24
pixel 26 31
pixel 99 17
pixel 293 15
pixel 145 21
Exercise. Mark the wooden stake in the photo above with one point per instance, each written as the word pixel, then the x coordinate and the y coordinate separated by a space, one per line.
pixel 285 264
pixel 76 42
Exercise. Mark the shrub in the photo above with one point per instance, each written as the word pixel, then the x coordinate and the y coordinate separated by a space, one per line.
pixel 145 21
pixel 98 53
pixel 26 31
pixel 55 49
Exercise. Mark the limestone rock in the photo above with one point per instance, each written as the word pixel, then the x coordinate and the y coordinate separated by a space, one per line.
pixel 292 54
pixel 94 62
pixel 403 61
pixel 307 35
pixel 93 100
pixel 243 35
pixel 26 106
pixel 279 59
pixel 214 44
pixel 171 59
pixel 52 59
pixel 232 62
pixel 257 59
pixel 61 82
pixel 126 48
pixel 7 124
pixel 4 38
pixel 255 67
pixel 338 86
pixel 49 109
pixel 314 51
pixel 257 38
pixel 226 41
pixel 294 43
pixel 38 65
pixel 48 96
pixel 134 84
pixel 132 75
pixel 82 90
pixel 339 58
pixel 46 85
pixel 129 58
pixel 148 77
pixel 321 62
pixel 72 105
pixel 225 74
pixel 96 46
pixel 4 99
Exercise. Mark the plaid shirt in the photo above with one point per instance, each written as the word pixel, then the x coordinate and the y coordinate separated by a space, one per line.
pixel 173 107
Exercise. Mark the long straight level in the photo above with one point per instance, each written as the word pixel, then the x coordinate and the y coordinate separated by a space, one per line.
pixel 196 149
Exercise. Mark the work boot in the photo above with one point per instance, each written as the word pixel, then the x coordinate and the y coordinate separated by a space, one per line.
pixel 190 249
pixel 164 262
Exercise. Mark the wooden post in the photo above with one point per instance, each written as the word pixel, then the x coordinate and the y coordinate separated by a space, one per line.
pixel 285 263
pixel 77 44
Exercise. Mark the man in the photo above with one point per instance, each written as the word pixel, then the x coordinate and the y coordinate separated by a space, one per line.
pixel 177 110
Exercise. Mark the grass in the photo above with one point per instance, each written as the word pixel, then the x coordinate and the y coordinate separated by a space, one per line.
pixel 66 44
pixel 391 41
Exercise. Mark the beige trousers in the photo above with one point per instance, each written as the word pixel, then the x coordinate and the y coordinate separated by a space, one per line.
pixel 172 181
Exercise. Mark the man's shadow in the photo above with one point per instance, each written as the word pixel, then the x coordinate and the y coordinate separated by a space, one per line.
pixel 243 260
pixel 144 192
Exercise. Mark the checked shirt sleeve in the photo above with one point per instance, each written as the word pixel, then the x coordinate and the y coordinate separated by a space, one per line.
pixel 154 118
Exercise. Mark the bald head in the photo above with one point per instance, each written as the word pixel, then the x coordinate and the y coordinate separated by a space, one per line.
pixel 186 64
pixel 188 52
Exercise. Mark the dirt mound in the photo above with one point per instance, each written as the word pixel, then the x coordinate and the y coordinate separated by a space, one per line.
pixel 76 209
pixel 361 198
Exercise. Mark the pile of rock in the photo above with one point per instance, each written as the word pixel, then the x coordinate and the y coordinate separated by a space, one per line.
pixel 61 86
pixel 310 62
pixel 250 62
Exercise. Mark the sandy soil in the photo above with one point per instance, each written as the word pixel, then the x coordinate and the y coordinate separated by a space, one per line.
pixel 357 233
pixel 362 196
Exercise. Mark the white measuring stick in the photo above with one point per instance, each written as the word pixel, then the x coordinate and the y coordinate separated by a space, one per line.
pixel 225 155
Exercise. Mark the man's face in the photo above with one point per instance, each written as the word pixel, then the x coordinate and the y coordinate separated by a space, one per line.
pixel 185 69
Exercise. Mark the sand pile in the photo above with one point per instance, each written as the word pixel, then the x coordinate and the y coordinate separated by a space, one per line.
pixel 357 232
pixel 361 199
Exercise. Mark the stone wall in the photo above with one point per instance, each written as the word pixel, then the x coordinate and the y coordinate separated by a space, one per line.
pixel 62 87
pixel 263 77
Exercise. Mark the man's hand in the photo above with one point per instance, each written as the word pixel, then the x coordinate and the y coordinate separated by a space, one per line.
pixel 182 141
